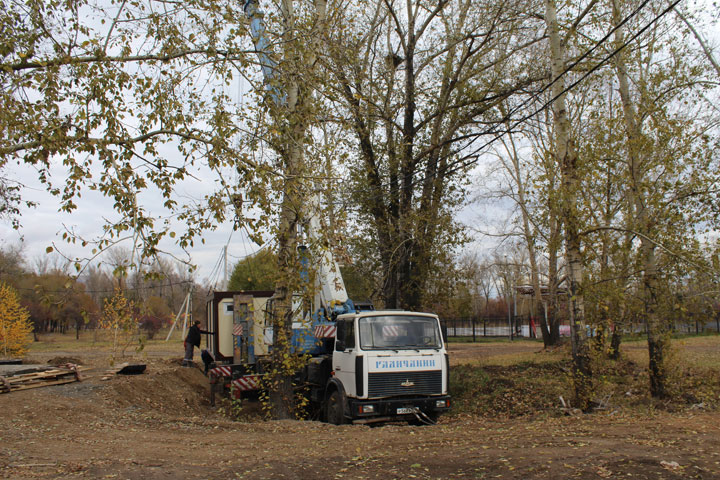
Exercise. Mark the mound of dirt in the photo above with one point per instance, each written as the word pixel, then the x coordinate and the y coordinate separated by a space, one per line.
pixel 164 389
pixel 57 361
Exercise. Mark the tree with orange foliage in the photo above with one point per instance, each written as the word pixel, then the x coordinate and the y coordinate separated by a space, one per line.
pixel 15 325
pixel 118 316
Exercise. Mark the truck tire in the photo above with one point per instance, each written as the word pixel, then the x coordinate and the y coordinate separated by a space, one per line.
pixel 335 411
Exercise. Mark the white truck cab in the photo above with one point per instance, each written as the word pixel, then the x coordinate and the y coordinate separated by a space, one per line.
pixel 387 364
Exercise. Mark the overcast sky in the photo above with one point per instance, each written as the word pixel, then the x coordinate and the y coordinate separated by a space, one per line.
pixel 43 226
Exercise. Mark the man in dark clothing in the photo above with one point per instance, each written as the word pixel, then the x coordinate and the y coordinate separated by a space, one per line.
pixel 191 341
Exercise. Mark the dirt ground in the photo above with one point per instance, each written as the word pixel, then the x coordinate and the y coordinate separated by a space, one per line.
pixel 160 425
pixel 481 352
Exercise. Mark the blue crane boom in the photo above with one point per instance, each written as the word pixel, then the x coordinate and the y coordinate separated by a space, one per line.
pixel 262 49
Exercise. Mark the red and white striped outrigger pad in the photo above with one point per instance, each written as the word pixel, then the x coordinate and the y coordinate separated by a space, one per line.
pixel 247 382
pixel 238 329
pixel 221 371
pixel 325 331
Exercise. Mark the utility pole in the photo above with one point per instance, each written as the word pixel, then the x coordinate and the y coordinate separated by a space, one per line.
pixel 187 306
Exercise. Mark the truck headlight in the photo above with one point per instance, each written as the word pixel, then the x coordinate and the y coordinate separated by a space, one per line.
pixel 367 409
pixel 441 404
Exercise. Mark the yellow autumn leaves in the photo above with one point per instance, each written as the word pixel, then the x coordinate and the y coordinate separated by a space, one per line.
pixel 15 325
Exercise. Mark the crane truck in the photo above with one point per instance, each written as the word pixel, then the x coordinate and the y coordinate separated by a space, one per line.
pixel 365 365
pixel 382 365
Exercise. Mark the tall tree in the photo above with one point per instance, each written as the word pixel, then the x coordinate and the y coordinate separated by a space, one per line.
pixel 129 99
pixel 15 326
pixel 610 262
pixel 255 272
pixel 132 99
pixel 290 86
pixel 671 173
pixel 567 157
pixel 418 84
pixel 537 225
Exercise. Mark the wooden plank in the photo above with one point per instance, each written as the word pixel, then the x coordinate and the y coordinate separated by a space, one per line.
pixel 38 379
pixel 14 361
pixel 41 382
pixel 30 378
pixel 45 374
pixel 10 370
pixel 44 384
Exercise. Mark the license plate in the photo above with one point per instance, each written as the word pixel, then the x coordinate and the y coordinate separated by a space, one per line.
pixel 404 410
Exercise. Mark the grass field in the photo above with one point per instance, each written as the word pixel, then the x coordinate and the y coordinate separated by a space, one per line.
pixel 701 351
pixel 101 342
pixel 690 351
pixel 502 377
pixel 521 378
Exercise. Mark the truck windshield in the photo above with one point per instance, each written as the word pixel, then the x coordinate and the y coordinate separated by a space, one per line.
pixel 399 332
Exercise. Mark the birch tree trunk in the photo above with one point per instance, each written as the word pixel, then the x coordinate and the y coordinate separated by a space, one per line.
pixel 292 116
pixel 567 156
pixel 529 237
pixel 657 331
pixel 554 246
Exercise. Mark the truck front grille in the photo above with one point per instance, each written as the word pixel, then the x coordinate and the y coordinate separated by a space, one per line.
pixel 404 383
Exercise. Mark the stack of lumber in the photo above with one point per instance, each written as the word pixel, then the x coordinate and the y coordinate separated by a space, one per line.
pixel 54 376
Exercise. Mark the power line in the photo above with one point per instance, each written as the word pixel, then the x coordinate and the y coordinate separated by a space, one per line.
pixel 472 158
pixel 461 165
pixel 224 259
pixel 212 277
pixel 577 61
pixel 128 289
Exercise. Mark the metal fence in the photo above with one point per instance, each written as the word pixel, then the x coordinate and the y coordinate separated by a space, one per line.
pixel 472 328
pixel 698 326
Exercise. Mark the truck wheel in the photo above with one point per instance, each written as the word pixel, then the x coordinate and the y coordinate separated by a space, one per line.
pixel 335 411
